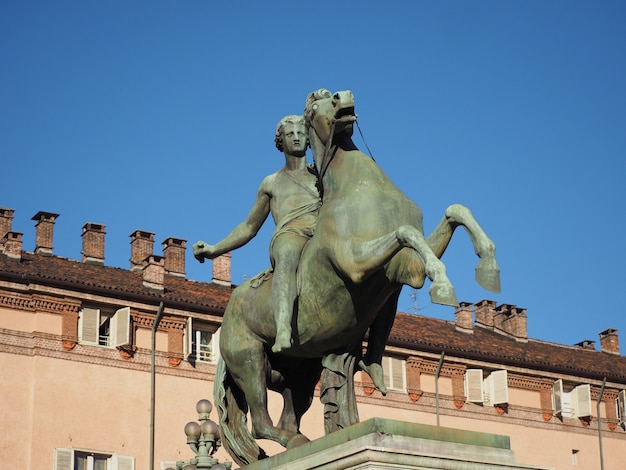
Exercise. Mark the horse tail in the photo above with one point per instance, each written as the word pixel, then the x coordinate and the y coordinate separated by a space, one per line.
pixel 232 409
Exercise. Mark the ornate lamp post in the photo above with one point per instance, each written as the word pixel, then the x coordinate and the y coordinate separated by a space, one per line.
pixel 204 440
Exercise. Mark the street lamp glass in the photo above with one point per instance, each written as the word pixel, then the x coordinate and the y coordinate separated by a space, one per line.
pixel 204 406
pixel 192 429
pixel 209 427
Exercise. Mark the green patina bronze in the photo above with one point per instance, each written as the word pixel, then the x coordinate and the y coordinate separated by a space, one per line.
pixel 368 243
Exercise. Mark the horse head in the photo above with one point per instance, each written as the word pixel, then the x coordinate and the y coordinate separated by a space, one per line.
pixel 331 117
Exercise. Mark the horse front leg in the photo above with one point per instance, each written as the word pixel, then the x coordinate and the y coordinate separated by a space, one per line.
pixel 487 270
pixel 359 259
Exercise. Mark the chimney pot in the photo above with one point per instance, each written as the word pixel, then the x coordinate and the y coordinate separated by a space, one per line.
pixel 12 242
pixel 609 341
pixel 44 232
pixel 141 246
pixel 586 344
pixel 174 254
pixel 154 273
pixel 93 243
pixel 463 315
pixel 221 270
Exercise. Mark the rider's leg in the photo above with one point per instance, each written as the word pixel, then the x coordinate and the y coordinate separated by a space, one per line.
pixel 286 253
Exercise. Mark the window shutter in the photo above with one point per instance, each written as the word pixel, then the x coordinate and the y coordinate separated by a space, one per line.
pixel 215 346
pixel 557 397
pixel 63 459
pixel 474 385
pixel 582 401
pixel 90 323
pixel 397 373
pixel 188 340
pixel 621 407
pixel 499 387
pixel 168 464
pixel 122 462
pixel 121 327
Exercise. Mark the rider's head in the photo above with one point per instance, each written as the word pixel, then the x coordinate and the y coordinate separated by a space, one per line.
pixel 289 122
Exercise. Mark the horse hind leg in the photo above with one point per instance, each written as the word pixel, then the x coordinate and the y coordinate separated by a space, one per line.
pixel 487 269
pixel 249 371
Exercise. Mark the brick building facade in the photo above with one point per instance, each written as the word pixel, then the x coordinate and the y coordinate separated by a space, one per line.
pixel 75 350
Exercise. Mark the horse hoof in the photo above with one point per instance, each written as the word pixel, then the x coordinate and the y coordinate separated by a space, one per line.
pixel 488 277
pixel 297 440
pixel 443 293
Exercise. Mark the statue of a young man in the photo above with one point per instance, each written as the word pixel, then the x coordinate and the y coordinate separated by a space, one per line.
pixel 291 196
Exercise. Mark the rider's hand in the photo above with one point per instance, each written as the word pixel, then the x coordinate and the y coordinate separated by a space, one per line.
pixel 202 250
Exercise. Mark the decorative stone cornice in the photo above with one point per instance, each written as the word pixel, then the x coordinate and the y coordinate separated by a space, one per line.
pixel 33 302
pixel 144 320
pixel 528 383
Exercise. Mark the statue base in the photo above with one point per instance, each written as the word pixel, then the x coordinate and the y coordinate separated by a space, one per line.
pixel 378 444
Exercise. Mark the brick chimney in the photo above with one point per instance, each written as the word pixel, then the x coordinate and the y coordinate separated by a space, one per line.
pixel 485 311
pixel 221 270
pixel 141 246
pixel 93 243
pixel 511 321
pixel 154 273
pixel 6 223
pixel 609 341
pixel 174 254
pixel 44 232
pixel 463 315
pixel 12 245
pixel 6 220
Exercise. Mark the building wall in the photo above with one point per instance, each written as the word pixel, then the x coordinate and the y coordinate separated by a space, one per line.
pixel 57 392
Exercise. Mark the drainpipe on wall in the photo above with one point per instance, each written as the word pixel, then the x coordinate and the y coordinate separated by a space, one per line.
pixel 600 423
pixel 155 325
pixel 437 385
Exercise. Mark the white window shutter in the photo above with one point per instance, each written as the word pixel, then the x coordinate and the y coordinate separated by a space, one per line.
pixel 582 400
pixel 89 325
pixel 121 327
pixel 167 464
pixel 557 397
pixel 215 346
pixel 621 407
pixel 499 387
pixel 188 340
pixel 63 459
pixel 397 373
pixel 474 385
pixel 122 462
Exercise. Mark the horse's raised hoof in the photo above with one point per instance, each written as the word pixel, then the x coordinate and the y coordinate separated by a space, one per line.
pixel 443 293
pixel 376 373
pixel 282 343
pixel 488 275
pixel 297 440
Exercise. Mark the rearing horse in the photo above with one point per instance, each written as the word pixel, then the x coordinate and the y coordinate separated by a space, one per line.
pixel 368 243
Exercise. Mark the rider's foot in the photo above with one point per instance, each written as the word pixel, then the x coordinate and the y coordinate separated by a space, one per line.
pixel 283 341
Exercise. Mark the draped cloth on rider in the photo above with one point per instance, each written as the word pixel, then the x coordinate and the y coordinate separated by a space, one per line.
pixel 337 391
pixel 295 223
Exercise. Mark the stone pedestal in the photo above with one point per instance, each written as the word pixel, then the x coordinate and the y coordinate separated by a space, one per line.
pixel 378 444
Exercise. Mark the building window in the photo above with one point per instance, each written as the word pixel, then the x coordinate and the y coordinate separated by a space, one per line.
pixel 575 457
pixel 74 459
pixel 104 326
pixel 201 342
pixel 395 373
pixel 571 402
pixel 493 390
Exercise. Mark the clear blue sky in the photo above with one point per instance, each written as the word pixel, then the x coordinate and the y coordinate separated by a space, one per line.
pixel 160 116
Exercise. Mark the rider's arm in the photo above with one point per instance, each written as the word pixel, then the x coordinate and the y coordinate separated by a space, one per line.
pixel 246 230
